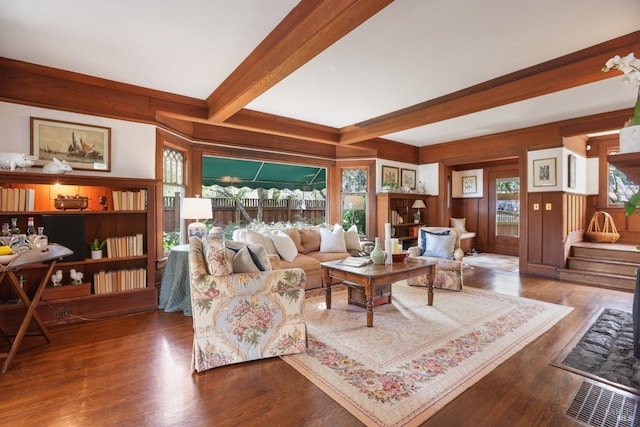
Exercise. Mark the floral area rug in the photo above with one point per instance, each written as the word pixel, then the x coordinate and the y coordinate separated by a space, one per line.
pixel 492 262
pixel 415 359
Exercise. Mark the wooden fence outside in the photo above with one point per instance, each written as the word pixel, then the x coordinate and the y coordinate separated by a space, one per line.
pixel 225 211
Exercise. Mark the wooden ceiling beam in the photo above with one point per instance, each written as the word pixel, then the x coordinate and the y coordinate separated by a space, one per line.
pixel 566 72
pixel 310 27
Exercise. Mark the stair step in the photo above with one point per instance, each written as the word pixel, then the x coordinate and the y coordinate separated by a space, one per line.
pixel 602 266
pixel 631 254
pixel 617 281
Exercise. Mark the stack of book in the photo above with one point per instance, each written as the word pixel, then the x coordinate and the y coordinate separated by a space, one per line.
pixel 129 200
pixel 17 199
pixel 125 246
pixel 105 282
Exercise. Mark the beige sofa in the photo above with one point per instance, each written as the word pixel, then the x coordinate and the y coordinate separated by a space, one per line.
pixel 310 247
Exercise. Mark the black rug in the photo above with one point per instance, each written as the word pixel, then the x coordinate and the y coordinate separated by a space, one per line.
pixel 605 352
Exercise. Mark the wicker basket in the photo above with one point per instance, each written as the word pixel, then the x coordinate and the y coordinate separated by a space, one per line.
pixel 605 232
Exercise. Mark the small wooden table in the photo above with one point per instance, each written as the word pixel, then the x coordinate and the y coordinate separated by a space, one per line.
pixel 372 276
pixel 50 254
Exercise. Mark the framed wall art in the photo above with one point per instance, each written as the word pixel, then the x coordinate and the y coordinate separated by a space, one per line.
pixel 408 178
pixel 469 184
pixel 572 171
pixel 84 147
pixel 544 172
pixel 390 177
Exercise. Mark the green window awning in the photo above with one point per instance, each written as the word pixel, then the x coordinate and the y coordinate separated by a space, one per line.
pixel 257 174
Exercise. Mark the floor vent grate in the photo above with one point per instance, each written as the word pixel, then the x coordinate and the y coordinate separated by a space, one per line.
pixel 599 406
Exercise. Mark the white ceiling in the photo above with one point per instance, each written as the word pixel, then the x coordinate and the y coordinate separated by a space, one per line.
pixel 410 52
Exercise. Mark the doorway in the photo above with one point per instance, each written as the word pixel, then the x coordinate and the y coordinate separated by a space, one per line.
pixel 504 212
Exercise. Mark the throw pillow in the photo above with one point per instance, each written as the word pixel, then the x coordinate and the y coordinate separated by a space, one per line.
pixel 440 246
pixel 257 252
pixel 352 239
pixel 459 224
pixel 294 233
pixel 243 261
pixel 217 259
pixel 332 241
pixel 424 233
pixel 285 246
pixel 310 239
pixel 262 238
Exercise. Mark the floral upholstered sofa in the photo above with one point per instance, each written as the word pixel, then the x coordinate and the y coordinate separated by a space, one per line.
pixel 242 309
pixel 442 245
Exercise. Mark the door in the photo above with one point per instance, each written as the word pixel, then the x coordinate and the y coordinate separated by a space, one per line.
pixel 504 213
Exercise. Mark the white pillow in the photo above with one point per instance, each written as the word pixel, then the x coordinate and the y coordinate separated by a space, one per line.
pixel 263 239
pixel 285 246
pixel 332 241
pixel 352 239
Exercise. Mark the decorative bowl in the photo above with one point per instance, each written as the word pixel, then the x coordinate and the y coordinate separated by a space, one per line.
pixel 71 203
pixel 401 257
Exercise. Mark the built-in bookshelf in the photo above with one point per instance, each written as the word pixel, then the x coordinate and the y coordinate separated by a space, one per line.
pixel 396 209
pixel 120 211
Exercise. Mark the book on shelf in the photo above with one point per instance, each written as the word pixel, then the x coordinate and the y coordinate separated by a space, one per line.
pixel 129 200
pixel 16 199
pixel 106 282
pixel 353 261
pixel 125 246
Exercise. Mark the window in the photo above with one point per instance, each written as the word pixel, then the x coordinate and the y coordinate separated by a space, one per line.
pixel 354 199
pixel 620 189
pixel 508 207
pixel 173 189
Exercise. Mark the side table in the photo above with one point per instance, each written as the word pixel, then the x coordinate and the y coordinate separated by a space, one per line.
pixel 175 290
pixel 50 254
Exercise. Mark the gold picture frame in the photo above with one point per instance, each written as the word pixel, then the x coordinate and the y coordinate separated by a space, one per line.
pixel 390 177
pixel 408 178
pixel 83 147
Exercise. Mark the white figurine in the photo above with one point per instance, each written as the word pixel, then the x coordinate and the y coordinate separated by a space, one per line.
pixel 57 278
pixel 57 166
pixel 76 276
pixel 16 160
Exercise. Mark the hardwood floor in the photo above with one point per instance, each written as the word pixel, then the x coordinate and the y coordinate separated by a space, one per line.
pixel 135 370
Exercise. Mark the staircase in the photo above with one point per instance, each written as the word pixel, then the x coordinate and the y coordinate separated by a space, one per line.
pixel 608 265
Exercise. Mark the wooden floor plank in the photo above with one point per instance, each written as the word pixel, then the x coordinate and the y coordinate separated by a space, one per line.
pixel 135 370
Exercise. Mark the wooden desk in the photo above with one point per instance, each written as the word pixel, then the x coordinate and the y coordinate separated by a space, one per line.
pixel 372 276
pixel 51 254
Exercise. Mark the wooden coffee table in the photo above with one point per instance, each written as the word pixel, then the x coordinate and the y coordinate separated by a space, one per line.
pixel 372 276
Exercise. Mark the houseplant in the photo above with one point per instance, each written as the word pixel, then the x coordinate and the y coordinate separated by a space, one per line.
pixel 630 133
pixel 96 248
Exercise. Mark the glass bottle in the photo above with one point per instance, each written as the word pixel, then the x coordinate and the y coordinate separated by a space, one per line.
pixel 31 230
pixel 20 244
pixel 14 226
pixel 6 234
pixel 41 241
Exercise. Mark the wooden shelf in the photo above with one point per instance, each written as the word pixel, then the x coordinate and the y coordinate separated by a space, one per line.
pixel 98 223
pixel 629 163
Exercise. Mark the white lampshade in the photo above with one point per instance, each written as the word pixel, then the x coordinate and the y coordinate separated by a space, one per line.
pixel 196 208
pixel 354 202
pixel 418 204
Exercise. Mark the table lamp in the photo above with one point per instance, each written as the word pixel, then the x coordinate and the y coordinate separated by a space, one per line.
pixel 198 209
pixel 354 202
pixel 418 204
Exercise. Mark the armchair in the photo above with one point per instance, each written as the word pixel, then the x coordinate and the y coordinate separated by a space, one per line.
pixel 239 317
pixel 442 245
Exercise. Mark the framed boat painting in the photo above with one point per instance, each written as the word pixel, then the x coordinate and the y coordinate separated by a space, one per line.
pixel 83 147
